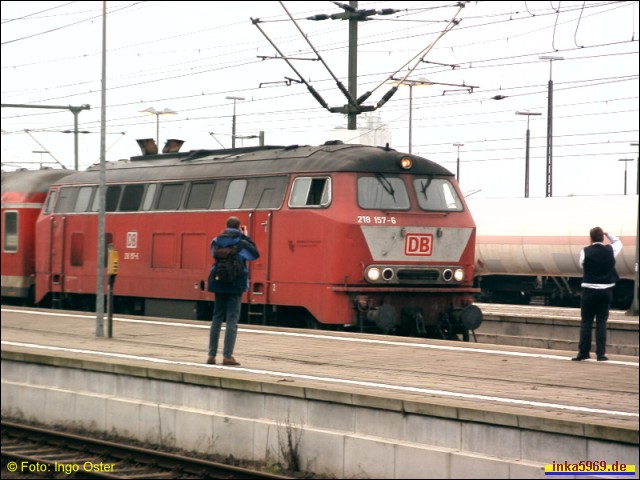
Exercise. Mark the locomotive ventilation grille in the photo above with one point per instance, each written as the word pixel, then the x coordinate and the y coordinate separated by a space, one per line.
pixel 415 275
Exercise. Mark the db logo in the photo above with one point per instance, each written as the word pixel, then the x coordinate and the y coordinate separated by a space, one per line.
pixel 132 239
pixel 418 244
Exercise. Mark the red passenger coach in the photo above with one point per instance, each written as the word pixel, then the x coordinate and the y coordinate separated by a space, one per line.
pixel 349 235
pixel 23 193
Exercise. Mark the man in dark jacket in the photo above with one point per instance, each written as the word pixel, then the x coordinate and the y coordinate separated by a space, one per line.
pixel 598 262
pixel 228 296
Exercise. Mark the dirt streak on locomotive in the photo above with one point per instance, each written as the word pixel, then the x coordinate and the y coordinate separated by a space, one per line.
pixel 350 235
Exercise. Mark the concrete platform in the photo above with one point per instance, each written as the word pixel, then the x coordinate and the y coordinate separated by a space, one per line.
pixel 349 405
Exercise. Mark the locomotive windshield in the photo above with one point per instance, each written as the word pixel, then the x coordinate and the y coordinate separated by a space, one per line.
pixel 383 193
pixel 436 195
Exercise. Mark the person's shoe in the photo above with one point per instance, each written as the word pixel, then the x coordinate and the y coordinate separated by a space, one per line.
pixel 579 358
pixel 211 360
pixel 230 362
pixel 602 358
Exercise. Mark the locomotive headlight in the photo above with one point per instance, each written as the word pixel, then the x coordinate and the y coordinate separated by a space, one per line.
pixel 458 275
pixel 373 274
pixel 406 163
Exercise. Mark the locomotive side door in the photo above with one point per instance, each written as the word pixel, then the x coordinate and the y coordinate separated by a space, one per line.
pixel 56 266
pixel 260 232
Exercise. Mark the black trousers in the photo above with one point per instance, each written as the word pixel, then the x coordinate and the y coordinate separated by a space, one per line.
pixel 594 303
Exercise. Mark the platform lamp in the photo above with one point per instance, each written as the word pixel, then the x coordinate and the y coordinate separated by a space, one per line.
pixel 157 113
pixel 526 162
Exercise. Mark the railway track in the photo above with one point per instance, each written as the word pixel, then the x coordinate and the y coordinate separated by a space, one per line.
pixel 32 452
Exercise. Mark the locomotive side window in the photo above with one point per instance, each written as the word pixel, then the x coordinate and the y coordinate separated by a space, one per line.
pixel 310 192
pixel 83 200
pixel 235 193
pixel 149 196
pixel 382 193
pixel 199 196
pixel 10 240
pixel 113 195
pixel 170 195
pixel 265 192
pixel 131 198
pixel 436 195
pixel 111 199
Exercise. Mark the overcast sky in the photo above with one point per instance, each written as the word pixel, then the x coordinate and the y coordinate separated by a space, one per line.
pixel 189 56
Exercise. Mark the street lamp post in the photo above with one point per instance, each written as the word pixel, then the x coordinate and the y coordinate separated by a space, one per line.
pixel 157 113
pixel 233 121
pixel 526 162
pixel 549 177
pixel 458 160
pixel 625 160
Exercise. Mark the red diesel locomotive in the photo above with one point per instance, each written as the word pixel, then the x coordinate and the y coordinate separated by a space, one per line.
pixel 349 235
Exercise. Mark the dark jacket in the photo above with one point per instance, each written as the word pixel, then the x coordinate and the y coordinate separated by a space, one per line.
pixel 247 250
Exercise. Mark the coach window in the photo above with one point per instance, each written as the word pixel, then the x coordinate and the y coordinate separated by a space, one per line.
pixel 199 196
pixel 235 193
pixel 149 196
pixel 310 192
pixel 10 239
pixel 437 195
pixel 382 193
pixel 131 198
pixel 170 194
pixel 83 200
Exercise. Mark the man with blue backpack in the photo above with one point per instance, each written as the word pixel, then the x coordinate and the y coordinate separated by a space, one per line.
pixel 228 280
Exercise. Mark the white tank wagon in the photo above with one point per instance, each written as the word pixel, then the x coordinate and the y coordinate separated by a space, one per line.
pixel 530 246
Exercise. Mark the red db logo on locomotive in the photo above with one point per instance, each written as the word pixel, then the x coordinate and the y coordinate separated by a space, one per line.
pixel 418 244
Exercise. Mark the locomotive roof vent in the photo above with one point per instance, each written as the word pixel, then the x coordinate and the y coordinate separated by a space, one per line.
pixel 172 146
pixel 148 146
pixel 334 142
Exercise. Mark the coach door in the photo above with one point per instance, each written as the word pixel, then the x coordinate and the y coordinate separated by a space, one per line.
pixel 258 295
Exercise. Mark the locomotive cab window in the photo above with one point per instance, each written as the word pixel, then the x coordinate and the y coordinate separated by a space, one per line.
pixel 310 192
pixel 83 200
pixel 51 201
pixel 10 238
pixel 381 192
pixel 66 199
pixel 437 195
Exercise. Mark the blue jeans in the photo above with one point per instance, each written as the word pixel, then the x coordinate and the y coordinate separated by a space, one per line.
pixel 225 309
